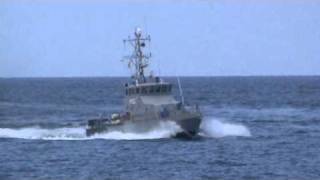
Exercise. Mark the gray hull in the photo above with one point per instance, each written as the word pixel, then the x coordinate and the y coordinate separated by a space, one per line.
pixel 189 127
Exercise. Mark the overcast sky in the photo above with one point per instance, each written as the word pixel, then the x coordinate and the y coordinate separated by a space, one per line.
pixel 41 38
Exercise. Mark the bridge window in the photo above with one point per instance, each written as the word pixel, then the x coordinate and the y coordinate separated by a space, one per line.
pixel 169 88
pixel 158 89
pixel 144 90
pixel 152 89
pixel 164 89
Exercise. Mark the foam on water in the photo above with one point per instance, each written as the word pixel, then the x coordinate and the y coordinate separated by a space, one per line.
pixel 163 130
pixel 216 128
pixel 73 133
pixel 209 128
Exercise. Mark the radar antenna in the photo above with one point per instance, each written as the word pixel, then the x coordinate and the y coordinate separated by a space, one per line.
pixel 138 58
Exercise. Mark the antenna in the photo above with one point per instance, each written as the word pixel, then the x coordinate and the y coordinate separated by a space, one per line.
pixel 180 89
pixel 138 59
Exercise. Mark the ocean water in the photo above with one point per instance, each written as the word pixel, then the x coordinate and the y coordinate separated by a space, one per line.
pixel 253 128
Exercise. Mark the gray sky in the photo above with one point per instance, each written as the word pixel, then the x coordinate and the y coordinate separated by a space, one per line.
pixel 209 38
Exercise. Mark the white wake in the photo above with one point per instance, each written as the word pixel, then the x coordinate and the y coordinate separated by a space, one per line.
pixel 163 130
pixel 208 128
pixel 216 128
pixel 76 133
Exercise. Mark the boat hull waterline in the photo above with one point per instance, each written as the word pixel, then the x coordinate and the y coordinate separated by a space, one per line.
pixel 187 128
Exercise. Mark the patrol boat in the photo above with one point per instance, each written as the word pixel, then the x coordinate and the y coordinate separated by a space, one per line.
pixel 148 100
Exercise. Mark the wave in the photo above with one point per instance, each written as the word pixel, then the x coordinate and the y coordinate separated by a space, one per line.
pixel 208 128
pixel 163 130
pixel 41 133
pixel 217 128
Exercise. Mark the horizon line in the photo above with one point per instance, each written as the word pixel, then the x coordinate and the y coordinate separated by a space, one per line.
pixel 169 76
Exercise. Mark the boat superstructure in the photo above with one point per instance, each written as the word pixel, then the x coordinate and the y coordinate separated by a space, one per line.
pixel 148 100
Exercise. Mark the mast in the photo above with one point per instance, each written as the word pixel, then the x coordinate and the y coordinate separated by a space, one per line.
pixel 138 58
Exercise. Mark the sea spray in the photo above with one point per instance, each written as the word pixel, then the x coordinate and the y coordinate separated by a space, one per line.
pixel 35 132
pixel 217 128
pixel 163 130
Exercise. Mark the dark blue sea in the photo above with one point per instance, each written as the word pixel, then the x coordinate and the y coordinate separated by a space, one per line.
pixel 253 128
